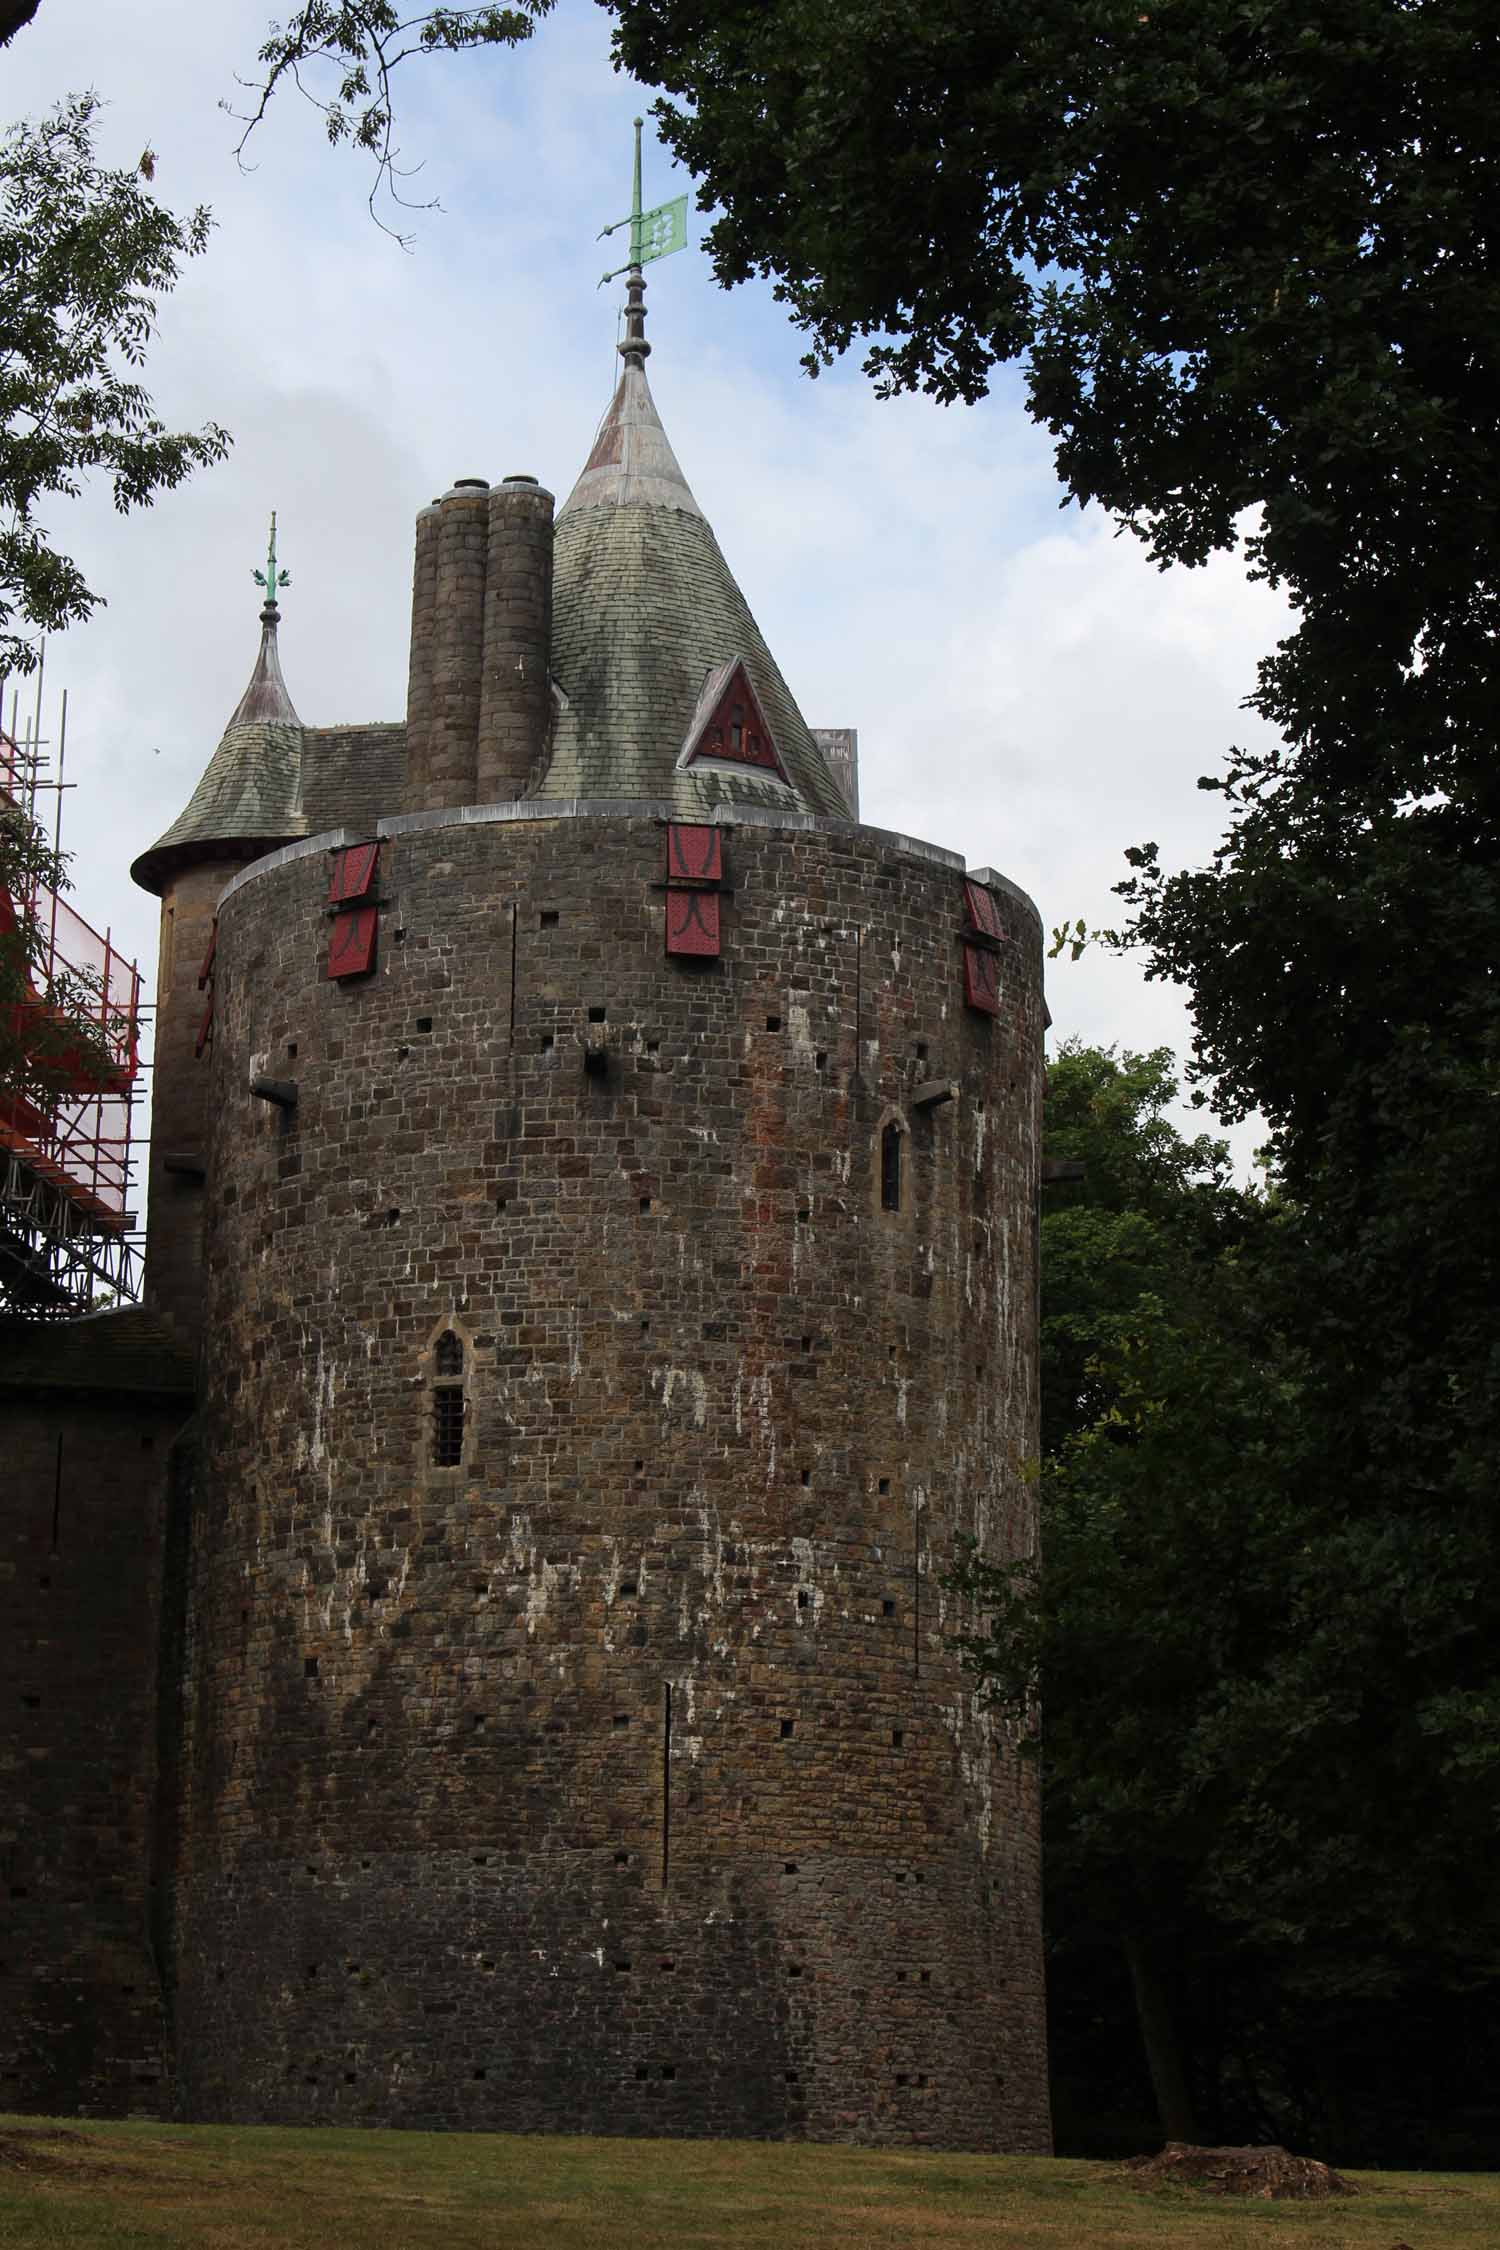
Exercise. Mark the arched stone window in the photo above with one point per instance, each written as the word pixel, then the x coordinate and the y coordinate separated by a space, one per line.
pixel 448 1404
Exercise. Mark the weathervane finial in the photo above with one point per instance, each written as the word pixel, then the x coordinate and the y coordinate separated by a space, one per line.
pixel 653 234
pixel 271 578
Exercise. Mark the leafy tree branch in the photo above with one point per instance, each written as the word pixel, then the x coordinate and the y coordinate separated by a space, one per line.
pixel 85 254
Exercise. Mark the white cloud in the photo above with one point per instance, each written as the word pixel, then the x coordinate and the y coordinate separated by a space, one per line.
pixel 1027 688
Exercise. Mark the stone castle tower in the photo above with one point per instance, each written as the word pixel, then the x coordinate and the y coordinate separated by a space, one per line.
pixel 598 1177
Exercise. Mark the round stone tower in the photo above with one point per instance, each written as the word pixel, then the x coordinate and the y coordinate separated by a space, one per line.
pixel 620 1302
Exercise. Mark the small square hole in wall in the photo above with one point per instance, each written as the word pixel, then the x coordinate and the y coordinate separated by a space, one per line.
pixel 794 1968
pixel 921 2077
pixel 291 1050
pixel 804 1598
pixel 669 2070
pixel 900 1976
pixel 479 2074
pixel 548 1042
pixel 372 1726
pixel 622 1718
pixel 803 1218
pixel 887 1609
pixel 548 919
pixel 622 1968
pixel 820 1060
pixel 642 2071
pixel 792 2078
pixel 476 1722
pixel 310 1667
pixel 424 1023
pixel 807 1343
pixel 921 1050
pixel 597 1015
pixel 884 1485
pixel 773 1023
pixel 898 1737
pixel 638 1466
pixel 349 2078
pixel 890 1351
pixel 653 1046
pixel 807 1476
pixel 645 1323
pixel 789 1867
pixel 44 1580
pixel 902 2078
pixel 645 1203
pixel 502 1203
pixel 627 1587
pixel 925 1977
pixel 786 1729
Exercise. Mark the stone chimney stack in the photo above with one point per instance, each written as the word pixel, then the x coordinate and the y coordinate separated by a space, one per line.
pixel 515 698
pixel 479 701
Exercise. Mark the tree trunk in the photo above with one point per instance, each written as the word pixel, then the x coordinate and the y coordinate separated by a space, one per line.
pixel 1159 2038
pixel 15 15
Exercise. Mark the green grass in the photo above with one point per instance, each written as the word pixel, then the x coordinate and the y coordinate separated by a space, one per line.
pixel 143 2186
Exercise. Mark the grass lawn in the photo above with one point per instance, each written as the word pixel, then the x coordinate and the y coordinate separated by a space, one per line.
pixel 143 2186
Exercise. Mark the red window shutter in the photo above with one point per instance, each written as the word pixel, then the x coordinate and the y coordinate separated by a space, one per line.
pixel 206 1027
pixel 694 855
pixel 693 922
pixel 984 914
pixel 205 974
pixel 353 873
pixel 351 942
pixel 981 980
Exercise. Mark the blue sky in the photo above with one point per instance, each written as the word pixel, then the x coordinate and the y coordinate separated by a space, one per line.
pixel 1027 688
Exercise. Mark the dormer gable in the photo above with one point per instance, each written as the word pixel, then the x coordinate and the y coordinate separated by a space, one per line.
pixel 729 726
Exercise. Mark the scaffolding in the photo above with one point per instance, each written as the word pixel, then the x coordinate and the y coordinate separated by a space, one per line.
pixel 69 1062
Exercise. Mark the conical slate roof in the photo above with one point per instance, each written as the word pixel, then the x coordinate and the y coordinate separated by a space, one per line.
pixel 644 610
pixel 251 793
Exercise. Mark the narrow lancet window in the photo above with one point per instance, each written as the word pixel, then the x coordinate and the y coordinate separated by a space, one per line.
pixel 448 1401
pixel 890 1167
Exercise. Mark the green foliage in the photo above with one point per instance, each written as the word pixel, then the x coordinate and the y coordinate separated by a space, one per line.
pixel 1269 1692
pixel 84 255
pixel 357 46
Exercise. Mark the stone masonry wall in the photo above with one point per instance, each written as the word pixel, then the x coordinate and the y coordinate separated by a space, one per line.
pixel 81 1518
pixel 617 1777
pixel 179 1096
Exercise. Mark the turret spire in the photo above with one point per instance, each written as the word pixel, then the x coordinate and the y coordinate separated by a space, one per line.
pixel 653 234
pixel 266 697
pixel 271 578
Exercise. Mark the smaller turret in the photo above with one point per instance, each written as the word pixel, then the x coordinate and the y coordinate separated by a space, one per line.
pixel 248 802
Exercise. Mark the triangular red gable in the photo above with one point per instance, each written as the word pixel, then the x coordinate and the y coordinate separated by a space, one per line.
pixel 730 726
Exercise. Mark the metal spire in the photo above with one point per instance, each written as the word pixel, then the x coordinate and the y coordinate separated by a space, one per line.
pixel 653 234
pixel 271 578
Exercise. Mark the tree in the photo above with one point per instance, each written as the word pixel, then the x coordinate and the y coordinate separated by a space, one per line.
pixel 84 254
pixel 357 46
pixel 14 17
pixel 1266 1866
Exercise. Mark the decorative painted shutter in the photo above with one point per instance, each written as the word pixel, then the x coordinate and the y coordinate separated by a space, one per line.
pixel 353 873
pixel 982 940
pixel 695 876
pixel 351 941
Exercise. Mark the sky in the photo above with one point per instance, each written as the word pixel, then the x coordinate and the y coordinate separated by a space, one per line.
pixel 1028 689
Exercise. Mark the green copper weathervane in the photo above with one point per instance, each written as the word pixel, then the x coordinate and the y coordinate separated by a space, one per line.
pixel 653 234
pixel 271 578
